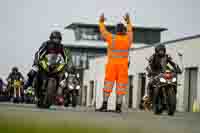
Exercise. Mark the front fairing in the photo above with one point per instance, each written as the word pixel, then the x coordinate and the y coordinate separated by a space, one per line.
pixel 163 82
pixel 52 63
pixel 73 82
pixel 16 83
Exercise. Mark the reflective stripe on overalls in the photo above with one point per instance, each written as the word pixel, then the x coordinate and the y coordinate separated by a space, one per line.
pixel 121 88
pixel 108 85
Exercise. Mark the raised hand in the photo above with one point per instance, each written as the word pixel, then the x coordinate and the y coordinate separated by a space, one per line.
pixel 127 18
pixel 102 18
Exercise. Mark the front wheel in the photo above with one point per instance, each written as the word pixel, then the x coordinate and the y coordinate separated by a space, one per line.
pixel 74 98
pixel 171 102
pixel 66 99
pixel 157 102
pixel 45 101
pixel 51 86
pixel 158 109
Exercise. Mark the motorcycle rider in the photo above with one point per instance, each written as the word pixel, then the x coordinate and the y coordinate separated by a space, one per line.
pixel 54 46
pixel 14 75
pixel 157 64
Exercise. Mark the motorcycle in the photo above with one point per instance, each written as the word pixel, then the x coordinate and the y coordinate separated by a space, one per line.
pixel 165 92
pixel 71 85
pixel 4 96
pixel 29 95
pixel 16 87
pixel 51 70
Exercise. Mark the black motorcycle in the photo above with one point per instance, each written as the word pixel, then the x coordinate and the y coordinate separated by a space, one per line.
pixel 15 89
pixel 71 85
pixel 165 92
pixel 51 70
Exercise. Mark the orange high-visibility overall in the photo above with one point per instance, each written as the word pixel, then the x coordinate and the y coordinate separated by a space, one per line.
pixel 116 68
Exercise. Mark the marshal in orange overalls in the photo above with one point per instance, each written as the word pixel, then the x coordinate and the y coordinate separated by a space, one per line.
pixel 116 68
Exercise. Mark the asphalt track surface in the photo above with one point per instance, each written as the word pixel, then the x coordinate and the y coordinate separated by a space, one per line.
pixel 145 122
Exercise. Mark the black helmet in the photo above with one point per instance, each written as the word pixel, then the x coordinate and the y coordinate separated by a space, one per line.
pixel 14 69
pixel 55 34
pixel 120 28
pixel 159 48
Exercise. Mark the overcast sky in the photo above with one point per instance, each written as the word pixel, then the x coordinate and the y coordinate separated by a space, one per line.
pixel 25 24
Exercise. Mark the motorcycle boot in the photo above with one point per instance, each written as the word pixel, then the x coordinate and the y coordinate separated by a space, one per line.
pixel 118 108
pixel 103 107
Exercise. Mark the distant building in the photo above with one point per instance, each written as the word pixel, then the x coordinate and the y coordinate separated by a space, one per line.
pixel 89 45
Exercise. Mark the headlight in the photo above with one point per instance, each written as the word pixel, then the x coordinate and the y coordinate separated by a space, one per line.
pixel 162 80
pixel 174 80
pixel 78 87
pixel 71 86
pixel 66 74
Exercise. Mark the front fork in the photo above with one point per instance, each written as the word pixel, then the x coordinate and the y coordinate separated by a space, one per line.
pixel 61 86
pixel 165 93
pixel 17 92
pixel 41 84
pixel 164 96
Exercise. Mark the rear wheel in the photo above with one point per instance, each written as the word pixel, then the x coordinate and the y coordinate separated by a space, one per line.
pixel 171 102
